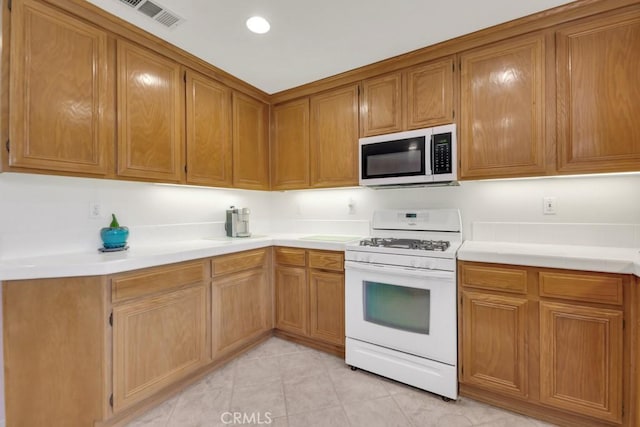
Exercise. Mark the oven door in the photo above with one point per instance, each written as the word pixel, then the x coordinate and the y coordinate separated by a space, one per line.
pixel 410 310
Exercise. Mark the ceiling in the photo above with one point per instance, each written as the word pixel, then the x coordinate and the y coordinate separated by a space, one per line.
pixel 312 40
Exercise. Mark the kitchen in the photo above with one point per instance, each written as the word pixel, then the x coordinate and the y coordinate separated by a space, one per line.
pixel 41 211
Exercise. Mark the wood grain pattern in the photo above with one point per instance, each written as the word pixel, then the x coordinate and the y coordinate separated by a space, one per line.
pixel 326 307
pixel 598 61
pixel 581 359
pixel 429 94
pixel 502 120
pixel 381 105
pixel 208 126
pixel 495 340
pixel 290 145
pixel 292 299
pixel 157 279
pixel 326 260
pixel 290 256
pixel 62 107
pixel 55 334
pixel 233 263
pixel 150 115
pixel 493 277
pixel 158 341
pixel 588 287
pixel 334 138
pixel 250 143
pixel 241 312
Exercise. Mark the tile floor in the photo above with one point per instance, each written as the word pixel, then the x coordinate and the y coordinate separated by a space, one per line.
pixel 280 383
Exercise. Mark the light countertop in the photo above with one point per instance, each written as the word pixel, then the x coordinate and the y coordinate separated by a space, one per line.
pixel 574 257
pixel 143 256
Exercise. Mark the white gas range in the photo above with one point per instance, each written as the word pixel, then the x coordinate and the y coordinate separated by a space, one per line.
pixel 400 298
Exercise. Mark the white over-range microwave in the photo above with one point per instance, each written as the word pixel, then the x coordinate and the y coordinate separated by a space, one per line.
pixel 417 157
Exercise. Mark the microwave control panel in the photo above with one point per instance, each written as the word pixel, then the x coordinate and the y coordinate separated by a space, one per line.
pixel 441 153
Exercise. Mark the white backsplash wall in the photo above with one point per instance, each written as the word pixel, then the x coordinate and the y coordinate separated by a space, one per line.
pixel 587 199
pixel 42 214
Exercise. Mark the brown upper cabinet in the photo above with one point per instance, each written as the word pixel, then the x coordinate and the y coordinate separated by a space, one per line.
pixel 598 65
pixel 334 138
pixel 208 127
pixel 150 115
pixel 250 143
pixel 418 97
pixel 62 103
pixel 502 111
pixel 290 145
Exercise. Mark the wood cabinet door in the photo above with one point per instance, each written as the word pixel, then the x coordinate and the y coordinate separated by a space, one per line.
pixel 290 145
pixel 292 299
pixel 208 127
pixel 494 343
pixel 598 63
pixel 250 143
pixel 502 113
pixel 326 307
pixel 381 105
pixel 157 341
pixel 581 357
pixel 62 106
pixel 334 138
pixel 150 115
pixel 429 100
pixel 241 311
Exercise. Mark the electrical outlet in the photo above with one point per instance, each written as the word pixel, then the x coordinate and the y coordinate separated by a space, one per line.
pixel 549 205
pixel 351 205
pixel 95 210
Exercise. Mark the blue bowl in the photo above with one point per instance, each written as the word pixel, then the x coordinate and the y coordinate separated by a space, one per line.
pixel 115 237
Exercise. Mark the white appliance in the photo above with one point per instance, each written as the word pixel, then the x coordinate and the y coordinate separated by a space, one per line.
pixel 400 299
pixel 417 157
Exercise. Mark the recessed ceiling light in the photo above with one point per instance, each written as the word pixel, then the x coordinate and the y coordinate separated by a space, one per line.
pixel 258 24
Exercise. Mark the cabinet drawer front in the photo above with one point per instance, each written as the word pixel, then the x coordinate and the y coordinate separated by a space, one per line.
pixel 154 280
pixel 505 279
pixel 600 288
pixel 326 260
pixel 238 262
pixel 290 256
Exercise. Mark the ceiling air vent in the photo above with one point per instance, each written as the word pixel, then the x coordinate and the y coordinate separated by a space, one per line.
pixel 155 11
pixel 132 3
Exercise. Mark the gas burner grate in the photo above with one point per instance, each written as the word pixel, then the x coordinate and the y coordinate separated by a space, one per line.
pixel 422 245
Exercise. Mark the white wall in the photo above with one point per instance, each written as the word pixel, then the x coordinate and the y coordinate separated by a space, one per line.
pixel 595 199
pixel 46 214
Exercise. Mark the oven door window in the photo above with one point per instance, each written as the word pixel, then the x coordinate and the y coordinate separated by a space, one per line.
pixel 397 307
pixel 404 157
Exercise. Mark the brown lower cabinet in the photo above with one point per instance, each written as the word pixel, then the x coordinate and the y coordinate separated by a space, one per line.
pixel 309 297
pixel 551 343
pixel 85 351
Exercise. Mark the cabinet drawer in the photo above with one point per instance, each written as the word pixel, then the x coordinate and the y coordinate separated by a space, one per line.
pixel 590 287
pixel 290 256
pixel 238 262
pixel 498 278
pixel 326 260
pixel 154 280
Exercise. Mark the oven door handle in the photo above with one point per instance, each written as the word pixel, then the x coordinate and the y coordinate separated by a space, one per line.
pixel 405 271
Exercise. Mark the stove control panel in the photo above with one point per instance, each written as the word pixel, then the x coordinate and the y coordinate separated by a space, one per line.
pixel 423 263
